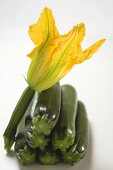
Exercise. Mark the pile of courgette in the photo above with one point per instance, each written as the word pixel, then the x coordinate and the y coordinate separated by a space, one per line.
pixel 48 127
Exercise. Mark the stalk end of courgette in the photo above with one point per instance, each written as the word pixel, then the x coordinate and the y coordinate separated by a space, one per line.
pixel 48 158
pixel 62 143
pixel 73 157
pixel 25 156
pixel 41 125
pixel 35 140
pixel 8 142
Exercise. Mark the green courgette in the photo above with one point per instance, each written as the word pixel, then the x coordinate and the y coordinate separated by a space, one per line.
pixel 64 133
pixel 79 149
pixel 24 153
pixel 44 117
pixel 18 113
pixel 47 110
pixel 32 138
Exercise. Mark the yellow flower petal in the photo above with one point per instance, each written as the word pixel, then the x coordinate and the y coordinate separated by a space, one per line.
pixel 93 49
pixel 44 29
pixel 81 32
pixel 88 53
pixel 32 53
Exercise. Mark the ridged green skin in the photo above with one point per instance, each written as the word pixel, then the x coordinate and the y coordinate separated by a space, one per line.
pixel 47 110
pixel 64 133
pixel 18 113
pixel 78 150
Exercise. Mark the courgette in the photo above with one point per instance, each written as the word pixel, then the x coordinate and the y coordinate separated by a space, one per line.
pixel 24 153
pixel 64 133
pixel 32 138
pixel 47 110
pixel 18 113
pixel 79 149
pixel 44 117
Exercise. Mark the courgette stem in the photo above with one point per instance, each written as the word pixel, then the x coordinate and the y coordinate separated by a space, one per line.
pixel 24 153
pixel 35 140
pixel 48 156
pixel 18 113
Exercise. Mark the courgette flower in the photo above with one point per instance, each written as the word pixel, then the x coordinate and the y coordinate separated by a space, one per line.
pixel 55 54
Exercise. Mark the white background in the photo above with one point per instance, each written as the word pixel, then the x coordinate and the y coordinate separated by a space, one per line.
pixel 93 79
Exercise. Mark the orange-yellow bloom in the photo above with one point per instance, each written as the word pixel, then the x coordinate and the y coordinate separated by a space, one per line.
pixel 55 54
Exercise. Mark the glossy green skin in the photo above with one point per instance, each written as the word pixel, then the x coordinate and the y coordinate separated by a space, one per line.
pixel 47 110
pixel 64 133
pixel 78 150
pixel 18 113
